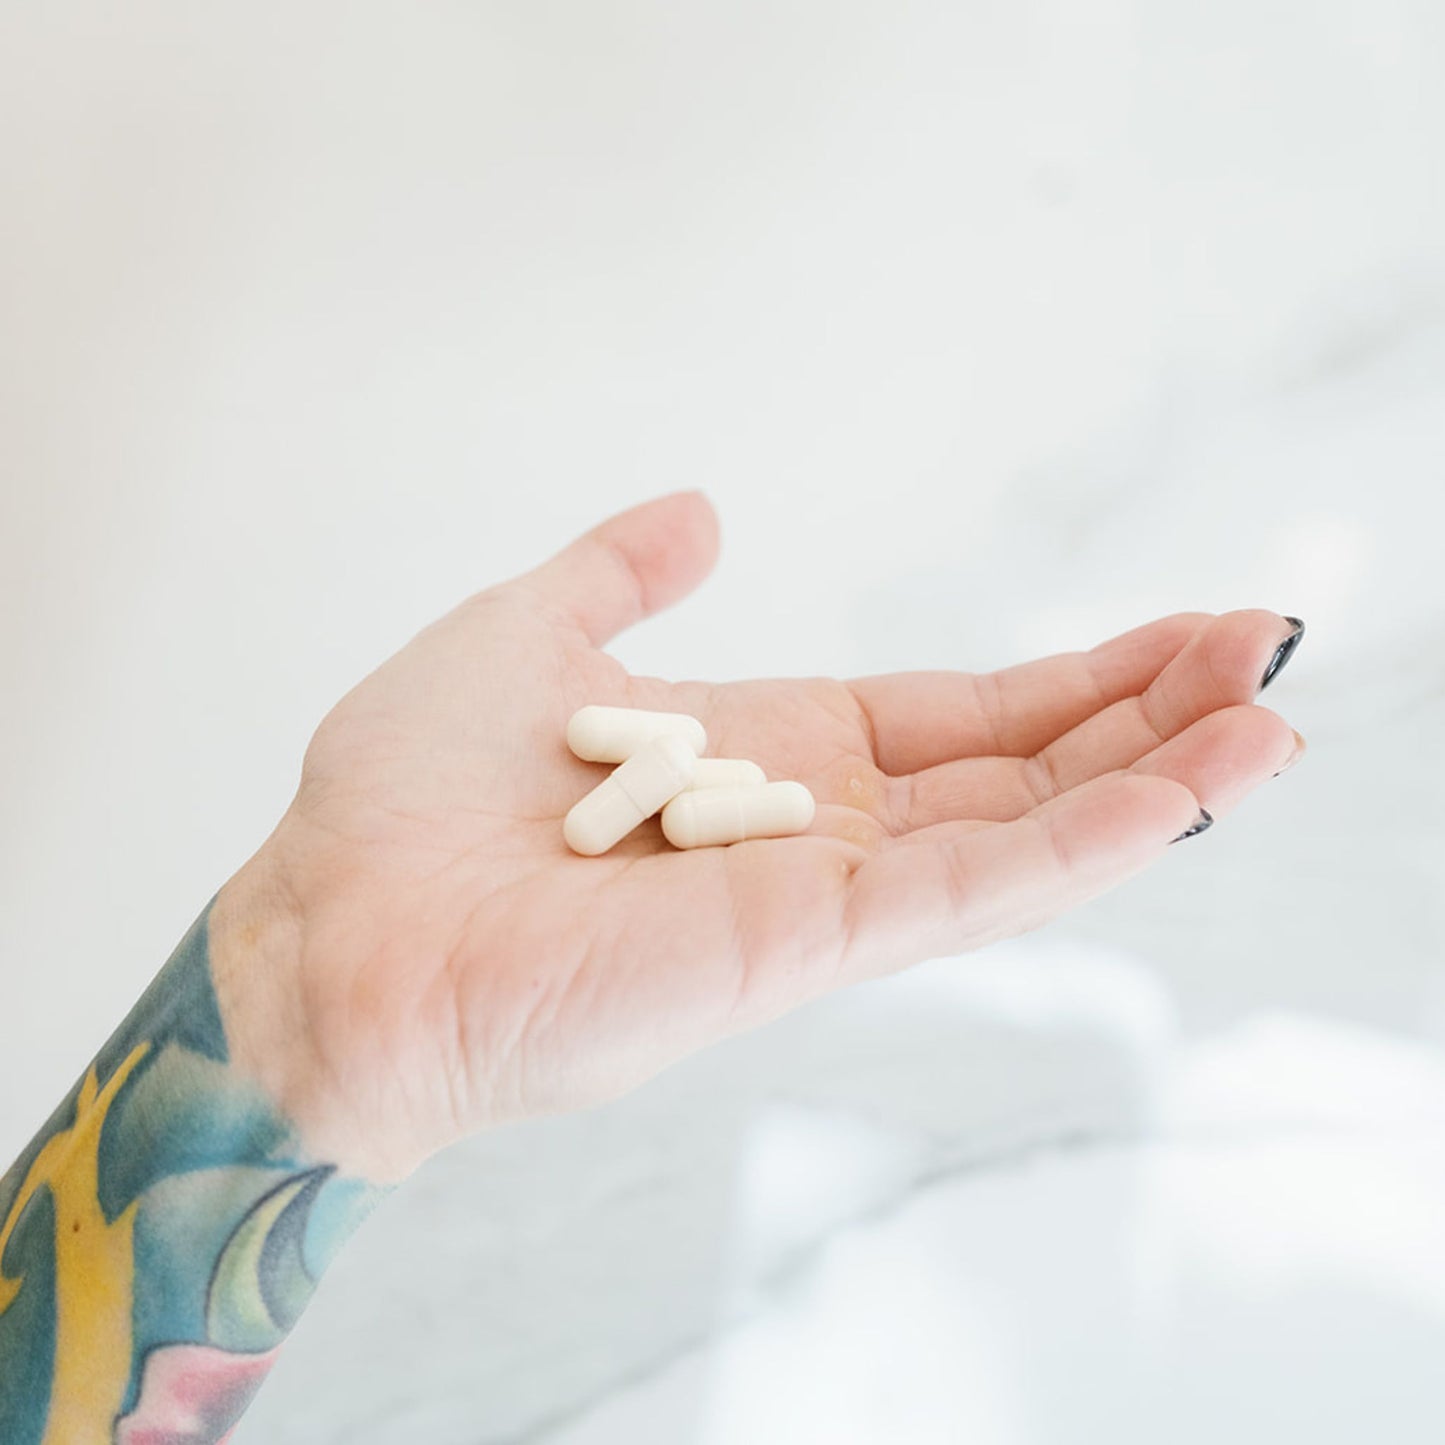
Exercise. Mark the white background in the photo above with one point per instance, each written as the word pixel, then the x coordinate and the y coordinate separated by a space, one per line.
pixel 991 329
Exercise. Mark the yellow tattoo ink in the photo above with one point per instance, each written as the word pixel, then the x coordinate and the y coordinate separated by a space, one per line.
pixel 94 1271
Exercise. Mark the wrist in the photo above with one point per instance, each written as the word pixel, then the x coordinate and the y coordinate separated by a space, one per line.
pixel 286 964
pixel 163 1232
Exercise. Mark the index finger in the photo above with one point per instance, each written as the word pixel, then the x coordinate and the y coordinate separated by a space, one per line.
pixel 921 719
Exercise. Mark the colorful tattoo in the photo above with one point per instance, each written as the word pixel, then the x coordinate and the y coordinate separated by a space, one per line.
pixel 160 1236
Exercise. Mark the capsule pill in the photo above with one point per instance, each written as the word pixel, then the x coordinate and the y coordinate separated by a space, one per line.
pixel 613 734
pixel 629 795
pixel 704 817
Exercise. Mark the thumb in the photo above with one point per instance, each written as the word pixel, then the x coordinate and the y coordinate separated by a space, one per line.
pixel 630 566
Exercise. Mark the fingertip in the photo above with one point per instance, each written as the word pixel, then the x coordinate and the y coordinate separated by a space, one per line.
pixel 701 523
pixel 672 542
pixel 1117 820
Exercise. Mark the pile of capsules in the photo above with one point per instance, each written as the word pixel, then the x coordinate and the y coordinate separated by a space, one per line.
pixel 703 801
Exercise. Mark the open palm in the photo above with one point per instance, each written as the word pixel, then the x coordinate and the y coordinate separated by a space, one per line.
pixel 458 966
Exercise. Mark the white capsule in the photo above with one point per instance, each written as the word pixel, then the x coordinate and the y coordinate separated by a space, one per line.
pixel 629 795
pixel 727 773
pixel 699 819
pixel 612 734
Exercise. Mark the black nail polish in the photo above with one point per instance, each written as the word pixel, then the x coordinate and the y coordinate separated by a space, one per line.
pixel 1205 820
pixel 1282 654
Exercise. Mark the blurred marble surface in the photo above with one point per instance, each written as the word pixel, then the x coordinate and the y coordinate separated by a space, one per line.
pixel 992 330
pixel 1269 1266
pixel 1002 1201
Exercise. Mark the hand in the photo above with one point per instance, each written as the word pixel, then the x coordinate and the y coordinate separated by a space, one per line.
pixel 414 954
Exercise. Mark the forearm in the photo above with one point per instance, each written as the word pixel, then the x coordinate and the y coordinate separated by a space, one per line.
pixel 160 1235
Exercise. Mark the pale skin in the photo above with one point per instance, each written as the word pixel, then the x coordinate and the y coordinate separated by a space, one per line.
pixel 414 954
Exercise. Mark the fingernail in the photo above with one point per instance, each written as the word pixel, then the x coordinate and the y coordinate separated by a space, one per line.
pixel 1282 654
pixel 1205 820
pixel 1294 757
